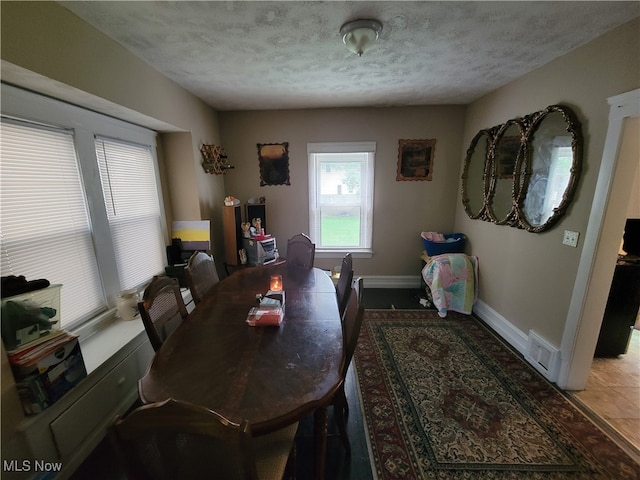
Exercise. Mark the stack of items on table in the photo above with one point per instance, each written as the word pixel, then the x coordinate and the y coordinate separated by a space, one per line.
pixel 46 361
pixel 269 312
pixel 450 276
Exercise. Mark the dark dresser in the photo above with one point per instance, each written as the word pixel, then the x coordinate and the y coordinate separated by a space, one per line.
pixel 622 308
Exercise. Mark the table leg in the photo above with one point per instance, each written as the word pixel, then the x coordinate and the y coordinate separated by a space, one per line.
pixel 320 441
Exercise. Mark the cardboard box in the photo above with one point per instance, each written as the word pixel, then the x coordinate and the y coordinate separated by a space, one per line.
pixel 46 372
pixel 29 317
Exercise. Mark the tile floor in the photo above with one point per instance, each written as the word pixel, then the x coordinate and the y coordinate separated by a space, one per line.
pixel 613 392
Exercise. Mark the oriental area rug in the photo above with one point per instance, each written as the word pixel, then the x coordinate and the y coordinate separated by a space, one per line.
pixel 447 399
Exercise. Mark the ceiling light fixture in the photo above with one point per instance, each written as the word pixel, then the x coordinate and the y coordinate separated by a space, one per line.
pixel 359 35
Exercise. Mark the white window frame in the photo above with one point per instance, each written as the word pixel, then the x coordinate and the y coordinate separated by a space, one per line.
pixel 86 125
pixel 314 152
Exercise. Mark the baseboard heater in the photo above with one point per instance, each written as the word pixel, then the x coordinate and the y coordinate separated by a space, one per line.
pixel 542 355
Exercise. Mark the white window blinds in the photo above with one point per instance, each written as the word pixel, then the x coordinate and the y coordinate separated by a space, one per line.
pixel 45 229
pixel 133 209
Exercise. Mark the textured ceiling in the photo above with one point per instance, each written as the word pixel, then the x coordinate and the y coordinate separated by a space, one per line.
pixel 238 55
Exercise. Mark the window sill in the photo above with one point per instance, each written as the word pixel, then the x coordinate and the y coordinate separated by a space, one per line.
pixel 102 338
pixel 107 339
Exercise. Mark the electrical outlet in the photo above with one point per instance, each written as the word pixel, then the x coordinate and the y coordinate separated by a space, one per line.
pixel 570 238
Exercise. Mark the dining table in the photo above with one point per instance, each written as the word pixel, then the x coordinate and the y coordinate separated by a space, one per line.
pixel 272 376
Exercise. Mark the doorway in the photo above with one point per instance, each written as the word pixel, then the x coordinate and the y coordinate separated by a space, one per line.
pixel 602 241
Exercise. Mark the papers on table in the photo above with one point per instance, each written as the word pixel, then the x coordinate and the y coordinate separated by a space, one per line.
pixel 270 311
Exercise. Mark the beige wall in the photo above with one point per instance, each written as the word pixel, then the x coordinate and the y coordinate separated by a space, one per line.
pixel 402 209
pixel 48 49
pixel 525 277
pixel 633 208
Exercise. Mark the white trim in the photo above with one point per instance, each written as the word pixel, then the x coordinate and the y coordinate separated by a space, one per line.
pixel 342 253
pixel 391 281
pixel 579 338
pixel 341 147
pixel 503 327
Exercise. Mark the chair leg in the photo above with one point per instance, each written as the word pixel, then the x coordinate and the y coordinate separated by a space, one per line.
pixel 341 411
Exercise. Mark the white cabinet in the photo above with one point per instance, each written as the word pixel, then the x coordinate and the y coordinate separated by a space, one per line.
pixel 71 428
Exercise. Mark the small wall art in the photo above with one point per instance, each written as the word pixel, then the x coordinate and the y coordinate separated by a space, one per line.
pixel 273 161
pixel 415 159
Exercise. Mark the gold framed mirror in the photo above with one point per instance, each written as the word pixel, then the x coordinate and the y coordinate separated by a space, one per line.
pixel 524 172
pixel 552 168
pixel 505 158
pixel 475 176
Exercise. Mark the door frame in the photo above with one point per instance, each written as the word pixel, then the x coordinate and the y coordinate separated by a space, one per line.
pixel 598 256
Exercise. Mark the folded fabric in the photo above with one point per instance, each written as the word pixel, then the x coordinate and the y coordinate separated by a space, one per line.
pixel 433 236
pixel 453 280
pixel 16 285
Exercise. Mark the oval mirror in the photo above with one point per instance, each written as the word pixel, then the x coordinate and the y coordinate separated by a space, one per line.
pixel 474 175
pixel 505 158
pixel 554 141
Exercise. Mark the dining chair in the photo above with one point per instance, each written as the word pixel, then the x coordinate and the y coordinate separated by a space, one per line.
pixel 162 309
pixel 301 251
pixel 358 288
pixel 343 287
pixel 201 275
pixel 179 440
pixel 351 323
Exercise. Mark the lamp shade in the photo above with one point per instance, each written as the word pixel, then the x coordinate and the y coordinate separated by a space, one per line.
pixel 359 35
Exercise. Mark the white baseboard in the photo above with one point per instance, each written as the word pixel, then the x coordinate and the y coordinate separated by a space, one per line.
pixel 391 281
pixel 520 340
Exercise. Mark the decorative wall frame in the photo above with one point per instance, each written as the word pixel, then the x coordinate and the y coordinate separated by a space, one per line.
pixel 415 159
pixel 273 159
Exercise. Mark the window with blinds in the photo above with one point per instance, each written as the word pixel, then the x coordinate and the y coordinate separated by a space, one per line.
pixel 80 203
pixel 341 196
pixel 45 230
pixel 133 210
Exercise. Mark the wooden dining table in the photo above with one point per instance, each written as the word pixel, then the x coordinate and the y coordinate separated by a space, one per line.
pixel 271 376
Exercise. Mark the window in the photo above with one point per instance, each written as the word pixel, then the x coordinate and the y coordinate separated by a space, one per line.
pixel 45 229
pixel 341 196
pixel 133 210
pixel 79 202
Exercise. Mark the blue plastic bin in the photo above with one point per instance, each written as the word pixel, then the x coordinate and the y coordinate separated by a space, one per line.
pixel 454 243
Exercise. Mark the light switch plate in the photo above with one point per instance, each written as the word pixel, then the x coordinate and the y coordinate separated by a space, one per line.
pixel 570 238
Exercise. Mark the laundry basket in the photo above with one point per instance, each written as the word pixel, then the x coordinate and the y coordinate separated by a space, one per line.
pixel 453 243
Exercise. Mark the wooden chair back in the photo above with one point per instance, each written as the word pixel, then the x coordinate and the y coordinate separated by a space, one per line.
pixel 343 288
pixel 162 309
pixel 201 275
pixel 351 324
pixel 301 251
pixel 358 288
pixel 179 440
